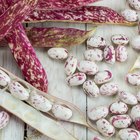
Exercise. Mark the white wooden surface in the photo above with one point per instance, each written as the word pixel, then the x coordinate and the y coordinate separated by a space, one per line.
pixel 57 86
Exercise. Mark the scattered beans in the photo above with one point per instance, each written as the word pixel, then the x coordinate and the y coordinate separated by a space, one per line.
pixel 105 128
pixel 129 134
pixel 97 113
pixel 109 54
pixel 127 98
pixel 93 55
pixel 119 39
pixel 61 112
pixel 4 119
pixel 76 79
pixel 103 77
pixel 134 4
pixel 109 89
pixel 118 108
pixel 91 89
pixel 58 53
pixel 88 67
pixel 96 42
pixel 18 91
pixel 40 102
pixel 121 121
pixel 121 53
pixel 136 42
pixel 130 15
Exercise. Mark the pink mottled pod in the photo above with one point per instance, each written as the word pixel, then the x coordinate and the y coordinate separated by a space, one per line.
pixel 103 77
pixel 105 128
pixel 4 79
pixel 97 113
pixel 130 15
pixel 135 42
pixel 76 79
pixel 96 42
pixel 19 91
pixel 121 54
pixel 4 119
pixel 121 121
pixel 91 89
pixel 70 65
pixel 127 98
pixel 120 39
pixel 88 67
pixel 129 134
pixel 109 89
pixel 118 108
pixel 133 79
pixel 93 55
pixel 109 54
pixel 134 4
pixel 58 53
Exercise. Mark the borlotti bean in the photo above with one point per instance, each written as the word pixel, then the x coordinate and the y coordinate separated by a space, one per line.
pixel 121 53
pixel 88 67
pixel 121 121
pixel 4 79
pixel 135 43
pixel 129 134
pixel 133 79
pixel 76 79
pixel 96 42
pixel 93 55
pixel 109 54
pixel 70 65
pixel 97 113
pixel 118 108
pixel 130 15
pixel 109 89
pixel 58 53
pixel 138 96
pixel 4 119
pixel 103 77
pixel 91 89
pixel 105 128
pixel 127 97
pixel 18 91
pixel 40 102
pixel 61 112
pixel 134 4
pixel 120 39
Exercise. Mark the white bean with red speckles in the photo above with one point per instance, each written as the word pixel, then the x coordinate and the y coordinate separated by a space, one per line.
pixel 93 55
pixel 118 108
pixel 121 53
pixel 61 112
pixel 70 65
pixel 40 102
pixel 135 112
pixel 91 89
pixel 121 121
pixel 105 128
pixel 133 79
pixel 130 15
pixel 96 42
pixel 129 134
pixel 4 119
pixel 109 54
pixel 134 4
pixel 109 89
pixel 103 77
pixel 88 67
pixel 127 98
pixel 58 53
pixel 4 79
pixel 18 91
pixel 76 79
pixel 120 39
pixel 97 113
